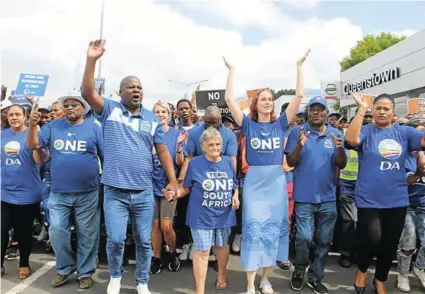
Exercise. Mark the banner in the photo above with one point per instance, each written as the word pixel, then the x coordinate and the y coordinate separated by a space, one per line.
pixel 99 82
pixel 416 108
pixel 32 84
pixel 207 98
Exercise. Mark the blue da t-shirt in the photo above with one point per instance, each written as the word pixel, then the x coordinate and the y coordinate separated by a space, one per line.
pixel 160 180
pixel 229 145
pixel 212 185
pixel 20 175
pixel 73 150
pixel 417 189
pixel 381 181
pixel 265 141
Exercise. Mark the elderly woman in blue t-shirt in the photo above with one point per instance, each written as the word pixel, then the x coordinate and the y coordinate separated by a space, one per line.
pixel 211 182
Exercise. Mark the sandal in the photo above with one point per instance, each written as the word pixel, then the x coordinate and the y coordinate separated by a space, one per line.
pixel 221 285
pixel 24 272
pixel 3 270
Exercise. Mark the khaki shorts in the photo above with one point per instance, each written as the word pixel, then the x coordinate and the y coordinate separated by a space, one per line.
pixel 164 209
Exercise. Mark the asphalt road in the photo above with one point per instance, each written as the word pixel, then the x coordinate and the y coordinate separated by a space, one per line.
pixel 337 279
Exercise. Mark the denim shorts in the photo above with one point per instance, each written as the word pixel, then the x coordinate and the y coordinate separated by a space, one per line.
pixel 203 240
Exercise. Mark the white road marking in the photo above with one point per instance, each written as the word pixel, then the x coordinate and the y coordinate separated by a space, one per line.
pixel 19 288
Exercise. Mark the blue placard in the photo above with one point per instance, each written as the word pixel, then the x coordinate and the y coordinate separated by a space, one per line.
pixel 19 99
pixel 97 83
pixel 32 84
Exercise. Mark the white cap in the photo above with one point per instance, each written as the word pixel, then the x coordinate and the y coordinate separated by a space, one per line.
pixel 5 104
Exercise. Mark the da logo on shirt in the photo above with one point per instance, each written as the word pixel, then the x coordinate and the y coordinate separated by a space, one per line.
pixel 328 144
pixel 266 145
pixel 208 185
pixel 70 146
pixel 255 143
pixel 58 144
pixel 390 149
pixel 12 148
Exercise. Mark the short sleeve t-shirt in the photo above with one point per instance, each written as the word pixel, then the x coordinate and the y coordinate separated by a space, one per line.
pixel 265 141
pixel 20 175
pixel 212 185
pixel 382 153
pixel 74 151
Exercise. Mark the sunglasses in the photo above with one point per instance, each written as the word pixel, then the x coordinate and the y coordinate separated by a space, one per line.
pixel 73 105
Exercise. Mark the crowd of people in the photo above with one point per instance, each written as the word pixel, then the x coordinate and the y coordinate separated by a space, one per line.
pixel 176 180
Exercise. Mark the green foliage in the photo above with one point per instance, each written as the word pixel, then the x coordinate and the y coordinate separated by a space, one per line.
pixel 277 93
pixel 336 106
pixel 369 46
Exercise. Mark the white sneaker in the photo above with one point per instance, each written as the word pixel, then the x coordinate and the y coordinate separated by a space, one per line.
pixel 143 289
pixel 266 287
pixel 420 274
pixel 184 255
pixel 192 249
pixel 250 292
pixel 236 246
pixel 114 286
pixel 403 283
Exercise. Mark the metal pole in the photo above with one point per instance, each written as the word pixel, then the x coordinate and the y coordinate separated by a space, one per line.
pixel 101 37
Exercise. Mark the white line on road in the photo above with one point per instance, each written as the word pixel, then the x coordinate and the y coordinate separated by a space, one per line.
pixel 19 288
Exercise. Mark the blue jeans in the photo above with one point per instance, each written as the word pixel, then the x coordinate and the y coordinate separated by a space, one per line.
pixel 85 207
pixel 414 227
pixel 315 223
pixel 44 202
pixel 119 205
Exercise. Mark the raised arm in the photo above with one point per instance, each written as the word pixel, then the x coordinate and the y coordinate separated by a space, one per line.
pixel 230 99
pixel 33 129
pixel 352 136
pixel 294 105
pixel 94 52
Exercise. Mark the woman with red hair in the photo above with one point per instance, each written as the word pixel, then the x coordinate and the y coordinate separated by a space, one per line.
pixel 265 233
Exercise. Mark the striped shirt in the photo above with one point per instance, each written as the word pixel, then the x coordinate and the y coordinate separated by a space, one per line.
pixel 129 140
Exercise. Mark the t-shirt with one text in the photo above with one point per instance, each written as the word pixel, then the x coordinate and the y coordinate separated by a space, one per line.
pixel 20 175
pixel 212 185
pixel 382 153
pixel 229 144
pixel 73 151
pixel 417 189
pixel 160 180
pixel 265 141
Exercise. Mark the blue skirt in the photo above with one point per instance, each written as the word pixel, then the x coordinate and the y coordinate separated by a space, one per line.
pixel 265 225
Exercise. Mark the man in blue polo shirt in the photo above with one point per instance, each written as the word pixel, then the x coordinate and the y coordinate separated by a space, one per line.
pixel 130 133
pixel 315 150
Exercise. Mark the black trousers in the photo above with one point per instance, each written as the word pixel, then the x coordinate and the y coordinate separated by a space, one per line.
pixel 184 235
pixel 238 228
pixel 348 224
pixel 379 232
pixel 21 218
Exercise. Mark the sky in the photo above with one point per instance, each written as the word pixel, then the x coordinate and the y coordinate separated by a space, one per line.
pixel 184 41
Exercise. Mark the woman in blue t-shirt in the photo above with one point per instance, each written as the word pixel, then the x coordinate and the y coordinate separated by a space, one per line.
pixel 164 209
pixel 21 187
pixel 211 181
pixel 380 194
pixel 265 226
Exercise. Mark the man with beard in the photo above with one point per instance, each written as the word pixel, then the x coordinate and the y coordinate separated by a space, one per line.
pixel 131 132
pixel 74 144
pixel 315 150
pixel 347 207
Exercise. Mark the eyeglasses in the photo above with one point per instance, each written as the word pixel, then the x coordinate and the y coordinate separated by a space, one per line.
pixel 73 105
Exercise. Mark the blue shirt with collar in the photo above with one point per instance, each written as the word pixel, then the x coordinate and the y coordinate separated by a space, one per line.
pixel 315 171
pixel 229 145
pixel 128 146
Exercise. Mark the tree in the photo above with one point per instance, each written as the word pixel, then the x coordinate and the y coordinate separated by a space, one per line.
pixel 336 106
pixel 277 93
pixel 369 46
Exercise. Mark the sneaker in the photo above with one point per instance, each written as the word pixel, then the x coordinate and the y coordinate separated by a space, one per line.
pixel 345 261
pixel 403 283
pixel 156 266
pixel 250 292
pixel 317 287
pixel 173 262
pixel 184 255
pixel 13 253
pixel 266 287
pixel 59 280
pixel 86 283
pixel 297 281
pixel 420 274
pixel 142 289
pixel 114 286
pixel 192 250
pixel 43 234
pixel 236 246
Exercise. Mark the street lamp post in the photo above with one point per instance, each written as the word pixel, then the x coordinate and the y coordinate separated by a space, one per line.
pixel 187 85
pixel 101 37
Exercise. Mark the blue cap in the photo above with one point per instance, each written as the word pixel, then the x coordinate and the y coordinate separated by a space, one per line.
pixel 318 100
pixel 300 111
